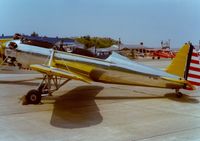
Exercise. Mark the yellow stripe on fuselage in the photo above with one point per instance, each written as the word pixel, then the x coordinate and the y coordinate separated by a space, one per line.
pixel 77 67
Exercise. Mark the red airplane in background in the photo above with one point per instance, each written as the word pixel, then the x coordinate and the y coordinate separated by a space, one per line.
pixel 162 53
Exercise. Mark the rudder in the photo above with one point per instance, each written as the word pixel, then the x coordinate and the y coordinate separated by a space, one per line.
pixel 193 69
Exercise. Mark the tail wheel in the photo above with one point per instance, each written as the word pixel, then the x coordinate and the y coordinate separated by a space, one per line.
pixel 179 94
pixel 33 97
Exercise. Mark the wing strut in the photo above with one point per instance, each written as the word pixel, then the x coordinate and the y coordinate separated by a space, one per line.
pixel 51 58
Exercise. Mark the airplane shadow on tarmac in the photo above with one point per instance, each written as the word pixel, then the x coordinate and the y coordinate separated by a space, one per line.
pixel 170 96
pixel 78 109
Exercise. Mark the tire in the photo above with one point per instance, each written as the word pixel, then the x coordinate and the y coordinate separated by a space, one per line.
pixel 33 97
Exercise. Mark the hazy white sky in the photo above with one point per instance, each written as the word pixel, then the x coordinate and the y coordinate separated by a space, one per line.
pixel 134 21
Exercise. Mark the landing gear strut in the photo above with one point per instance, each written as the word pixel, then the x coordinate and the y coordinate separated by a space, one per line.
pixel 48 85
pixel 178 94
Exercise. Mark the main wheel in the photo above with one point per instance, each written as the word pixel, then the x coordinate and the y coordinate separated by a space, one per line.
pixel 33 97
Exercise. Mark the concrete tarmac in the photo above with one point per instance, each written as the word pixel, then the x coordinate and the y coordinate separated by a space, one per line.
pixel 96 112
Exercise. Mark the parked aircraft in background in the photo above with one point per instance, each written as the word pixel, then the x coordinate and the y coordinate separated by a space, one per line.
pixel 182 73
pixel 162 54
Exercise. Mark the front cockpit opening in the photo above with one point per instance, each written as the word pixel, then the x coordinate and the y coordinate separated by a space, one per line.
pixel 12 45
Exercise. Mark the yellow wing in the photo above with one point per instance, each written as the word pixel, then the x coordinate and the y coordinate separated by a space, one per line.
pixel 49 70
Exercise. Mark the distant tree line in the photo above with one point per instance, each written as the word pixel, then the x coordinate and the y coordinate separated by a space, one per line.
pixel 97 42
pixel 89 42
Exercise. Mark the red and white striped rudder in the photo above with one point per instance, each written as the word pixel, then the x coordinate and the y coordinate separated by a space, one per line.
pixel 193 68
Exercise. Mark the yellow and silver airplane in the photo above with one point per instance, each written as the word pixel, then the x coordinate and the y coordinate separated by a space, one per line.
pixel 182 73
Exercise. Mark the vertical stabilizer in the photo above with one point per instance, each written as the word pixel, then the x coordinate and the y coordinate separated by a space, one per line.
pixel 179 63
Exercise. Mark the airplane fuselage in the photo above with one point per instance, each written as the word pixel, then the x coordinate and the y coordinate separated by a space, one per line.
pixel 115 69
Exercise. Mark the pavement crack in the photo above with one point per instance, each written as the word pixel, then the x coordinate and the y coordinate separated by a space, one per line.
pixel 168 133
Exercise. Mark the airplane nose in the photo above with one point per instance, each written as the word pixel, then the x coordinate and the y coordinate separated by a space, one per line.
pixel 2 50
pixel 3 45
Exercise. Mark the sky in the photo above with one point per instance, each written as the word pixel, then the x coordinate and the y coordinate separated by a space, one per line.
pixel 133 21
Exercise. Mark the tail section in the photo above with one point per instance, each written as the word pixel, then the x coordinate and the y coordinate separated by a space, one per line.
pixel 186 65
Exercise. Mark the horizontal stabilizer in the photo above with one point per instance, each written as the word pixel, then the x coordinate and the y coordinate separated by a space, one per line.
pixel 58 72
